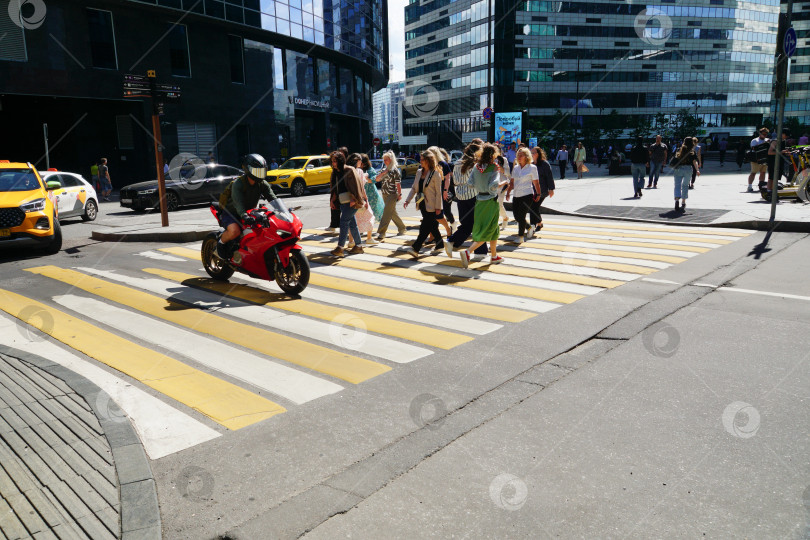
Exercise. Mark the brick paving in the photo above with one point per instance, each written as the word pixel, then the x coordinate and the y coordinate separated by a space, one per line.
pixel 57 474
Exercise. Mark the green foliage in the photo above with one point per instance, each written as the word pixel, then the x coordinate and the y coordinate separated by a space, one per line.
pixel 686 124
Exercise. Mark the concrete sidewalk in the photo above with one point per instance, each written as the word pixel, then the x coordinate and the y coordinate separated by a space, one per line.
pixel 70 467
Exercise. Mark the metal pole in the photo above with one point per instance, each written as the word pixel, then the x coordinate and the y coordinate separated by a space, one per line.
pixel 47 154
pixel 576 115
pixel 164 213
pixel 781 88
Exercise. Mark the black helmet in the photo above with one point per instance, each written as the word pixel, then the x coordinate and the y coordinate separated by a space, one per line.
pixel 255 167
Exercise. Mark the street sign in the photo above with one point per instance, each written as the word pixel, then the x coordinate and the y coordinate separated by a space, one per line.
pixel 789 42
pixel 376 141
pixel 487 113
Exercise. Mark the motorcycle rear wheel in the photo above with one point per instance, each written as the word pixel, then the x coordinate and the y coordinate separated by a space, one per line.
pixel 295 278
pixel 216 267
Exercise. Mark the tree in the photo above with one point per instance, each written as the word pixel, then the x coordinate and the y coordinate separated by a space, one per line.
pixel 640 126
pixel 661 123
pixel 613 125
pixel 560 123
pixel 686 124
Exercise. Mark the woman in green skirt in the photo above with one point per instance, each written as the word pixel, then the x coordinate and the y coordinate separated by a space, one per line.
pixel 487 182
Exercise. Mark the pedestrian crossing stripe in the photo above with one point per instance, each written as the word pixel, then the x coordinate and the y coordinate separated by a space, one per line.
pixel 222 401
pixel 334 333
pixel 653 228
pixel 432 317
pixel 511 253
pixel 399 267
pixel 546 234
pixel 666 229
pixel 397 294
pixel 284 381
pixel 341 366
pixel 617 233
pixel 440 339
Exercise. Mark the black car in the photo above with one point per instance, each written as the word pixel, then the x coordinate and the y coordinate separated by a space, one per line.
pixel 185 185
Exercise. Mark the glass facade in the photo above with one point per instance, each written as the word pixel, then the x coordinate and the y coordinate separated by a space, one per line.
pixel 712 57
pixel 386 110
pixel 352 27
pixel 797 104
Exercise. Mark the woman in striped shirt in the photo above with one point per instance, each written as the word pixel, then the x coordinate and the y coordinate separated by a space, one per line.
pixel 465 197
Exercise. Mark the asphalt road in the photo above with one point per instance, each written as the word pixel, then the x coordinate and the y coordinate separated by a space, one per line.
pixel 596 398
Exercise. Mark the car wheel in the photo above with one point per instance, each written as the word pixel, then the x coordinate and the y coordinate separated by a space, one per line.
pixel 172 201
pixel 90 210
pixel 56 244
pixel 298 188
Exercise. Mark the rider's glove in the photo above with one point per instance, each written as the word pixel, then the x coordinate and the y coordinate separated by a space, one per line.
pixel 247 219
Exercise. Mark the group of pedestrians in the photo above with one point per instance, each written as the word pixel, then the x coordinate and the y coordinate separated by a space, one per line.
pixel 479 184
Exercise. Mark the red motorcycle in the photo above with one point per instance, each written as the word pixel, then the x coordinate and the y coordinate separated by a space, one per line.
pixel 268 248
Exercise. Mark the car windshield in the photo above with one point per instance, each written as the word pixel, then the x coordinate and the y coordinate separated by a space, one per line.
pixel 281 210
pixel 18 180
pixel 293 164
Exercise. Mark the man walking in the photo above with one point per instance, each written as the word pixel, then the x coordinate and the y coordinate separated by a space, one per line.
pixel 562 160
pixel 756 167
pixel 722 146
pixel 104 178
pixel 510 156
pixel 658 157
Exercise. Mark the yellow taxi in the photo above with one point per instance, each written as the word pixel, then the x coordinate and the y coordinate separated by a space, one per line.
pixel 301 173
pixel 28 215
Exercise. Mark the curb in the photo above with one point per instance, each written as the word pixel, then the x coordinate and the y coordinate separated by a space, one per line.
pixel 152 236
pixel 140 513
pixel 754 224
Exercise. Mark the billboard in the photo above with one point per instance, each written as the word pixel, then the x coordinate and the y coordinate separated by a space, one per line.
pixel 508 127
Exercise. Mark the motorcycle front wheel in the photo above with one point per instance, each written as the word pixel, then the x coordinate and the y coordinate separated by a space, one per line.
pixel 295 278
pixel 216 267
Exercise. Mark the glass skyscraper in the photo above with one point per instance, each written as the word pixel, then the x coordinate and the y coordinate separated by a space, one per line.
pixel 713 58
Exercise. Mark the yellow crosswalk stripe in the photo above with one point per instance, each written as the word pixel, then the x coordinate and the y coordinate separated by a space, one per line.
pixel 223 402
pixel 628 243
pixel 568 249
pixel 604 265
pixel 342 366
pixel 517 290
pixel 440 339
pixel 462 307
pixel 665 228
pixel 612 234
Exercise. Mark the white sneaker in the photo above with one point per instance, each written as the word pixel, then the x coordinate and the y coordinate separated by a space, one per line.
pixel 465 258
pixel 329 229
pixel 503 225
pixel 412 252
pixel 520 240
pixel 448 248
pixel 530 233
pixel 371 242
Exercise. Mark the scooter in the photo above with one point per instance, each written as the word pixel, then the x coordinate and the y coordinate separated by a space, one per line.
pixel 268 248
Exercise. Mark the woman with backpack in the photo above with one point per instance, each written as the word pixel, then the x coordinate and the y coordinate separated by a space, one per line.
pixel 684 163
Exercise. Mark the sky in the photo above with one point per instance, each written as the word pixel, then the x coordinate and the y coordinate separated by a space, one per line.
pixel 396 39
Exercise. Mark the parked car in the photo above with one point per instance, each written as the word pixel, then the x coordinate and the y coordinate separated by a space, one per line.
pixel 185 185
pixel 407 166
pixel 75 197
pixel 28 213
pixel 301 173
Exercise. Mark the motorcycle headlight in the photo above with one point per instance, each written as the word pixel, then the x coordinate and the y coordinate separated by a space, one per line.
pixel 37 205
pixel 147 191
pixel 284 177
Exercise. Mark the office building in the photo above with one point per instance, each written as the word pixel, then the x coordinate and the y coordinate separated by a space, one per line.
pixel 386 111
pixel 713 58
pixel 278 78
pixel 797 103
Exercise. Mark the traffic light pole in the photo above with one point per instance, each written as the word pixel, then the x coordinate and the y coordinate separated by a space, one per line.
pixel 781 90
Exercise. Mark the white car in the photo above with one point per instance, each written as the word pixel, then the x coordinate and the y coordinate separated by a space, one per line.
pixel 76 197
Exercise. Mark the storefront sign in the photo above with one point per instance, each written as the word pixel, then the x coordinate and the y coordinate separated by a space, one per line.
pixel 508 127
pixel 309 102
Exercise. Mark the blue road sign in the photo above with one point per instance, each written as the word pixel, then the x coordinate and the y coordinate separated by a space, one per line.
pixel 487 113
pixel 790 42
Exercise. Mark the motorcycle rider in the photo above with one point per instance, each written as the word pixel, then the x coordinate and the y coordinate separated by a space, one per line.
pixel 243 194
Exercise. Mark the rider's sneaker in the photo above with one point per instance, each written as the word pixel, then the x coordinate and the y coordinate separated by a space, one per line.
pixel 750 188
